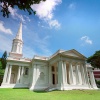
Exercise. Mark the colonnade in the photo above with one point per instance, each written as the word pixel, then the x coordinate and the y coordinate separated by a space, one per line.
pixel 8 72
pixel 77 69
pixel 73 73
pixel 20 74
pixel 92 79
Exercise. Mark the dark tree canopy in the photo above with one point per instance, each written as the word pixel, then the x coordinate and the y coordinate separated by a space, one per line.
pixel 21 4
pixel 94 60
pixel 3 60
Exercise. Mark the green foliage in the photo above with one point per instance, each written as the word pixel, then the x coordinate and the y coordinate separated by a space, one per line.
pixel 3 60
pixel 1 70
pixel 94 60
pixel 98 82
pixel 21 4
pixel 3 63
pixel 0 63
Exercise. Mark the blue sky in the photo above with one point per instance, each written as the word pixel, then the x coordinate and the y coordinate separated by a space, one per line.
pixel 58 24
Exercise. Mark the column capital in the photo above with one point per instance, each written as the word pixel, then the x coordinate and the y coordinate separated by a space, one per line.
pixel 82 64
pixel 72 62
pixel 9 64
pixel 60 61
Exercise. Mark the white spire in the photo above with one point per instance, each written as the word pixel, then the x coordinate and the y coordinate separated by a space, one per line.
pixel 19 34
pixel 17 44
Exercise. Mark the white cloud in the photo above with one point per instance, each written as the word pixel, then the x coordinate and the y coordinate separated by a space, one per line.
pixel 15 15
pixel 28 52
pixel 72 6
pixel 44 10
pixel 43 45
pixel 86 40
pixel 27 18
pixel 6 43
pixel 3 29
pixel 54 23
pixel 40 44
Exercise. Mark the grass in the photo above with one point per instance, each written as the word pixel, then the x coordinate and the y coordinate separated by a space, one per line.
pixel 26 94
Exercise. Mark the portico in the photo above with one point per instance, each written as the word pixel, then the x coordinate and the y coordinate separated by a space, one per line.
pixel 15 75
pixel 67 73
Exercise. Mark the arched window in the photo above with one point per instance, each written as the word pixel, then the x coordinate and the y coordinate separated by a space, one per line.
pixel 42 76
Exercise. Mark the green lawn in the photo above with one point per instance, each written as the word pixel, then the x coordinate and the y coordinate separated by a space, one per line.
pixel 25 94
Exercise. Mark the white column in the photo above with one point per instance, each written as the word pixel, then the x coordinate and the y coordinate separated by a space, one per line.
pixel 59 72
pixel 33 76
pixel 9 74
pixel 83 75
pixel 18 76
pixel 50 76
pixel 71 73
pixel 60 75
pixel 56 74
pixel 77 75
pixel 22 72
pixel 65 72
pixel 86 75
pixel 6 73
pixel 92 79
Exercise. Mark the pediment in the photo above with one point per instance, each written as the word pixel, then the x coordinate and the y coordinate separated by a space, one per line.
pixel 73 53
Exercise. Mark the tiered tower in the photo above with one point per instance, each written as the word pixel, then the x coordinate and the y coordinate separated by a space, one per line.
pixel 16 51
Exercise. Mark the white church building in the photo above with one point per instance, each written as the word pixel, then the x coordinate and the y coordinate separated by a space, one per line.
pixel 64 70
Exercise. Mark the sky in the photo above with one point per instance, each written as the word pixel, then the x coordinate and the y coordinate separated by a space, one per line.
pixel 58 24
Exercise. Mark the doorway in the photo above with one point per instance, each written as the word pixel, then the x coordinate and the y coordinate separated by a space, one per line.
pixel 53 79
pixel 54 75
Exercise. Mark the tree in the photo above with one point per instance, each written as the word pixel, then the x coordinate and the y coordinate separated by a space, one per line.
pixel 21 4
pixel 3 60
pixel 1 70
pixel 2 65
pixel 94 60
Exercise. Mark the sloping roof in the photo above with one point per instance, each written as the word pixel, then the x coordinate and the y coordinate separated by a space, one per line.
pixel 72 53
pixel 69 53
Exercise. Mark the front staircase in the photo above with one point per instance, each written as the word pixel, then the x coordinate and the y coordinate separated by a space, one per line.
pixel 50 88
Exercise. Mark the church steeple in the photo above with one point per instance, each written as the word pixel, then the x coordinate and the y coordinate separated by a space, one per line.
pixel 17 44
pixel 19 34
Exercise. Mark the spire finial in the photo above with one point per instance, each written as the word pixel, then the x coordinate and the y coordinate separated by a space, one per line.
pixel 19 34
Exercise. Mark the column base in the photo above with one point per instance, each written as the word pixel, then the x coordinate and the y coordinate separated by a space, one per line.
pixel 72 87
pixel 6 85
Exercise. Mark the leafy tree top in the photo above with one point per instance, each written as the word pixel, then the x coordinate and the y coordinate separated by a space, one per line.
pixel 21 4
pixel 94 60
pixel 3 60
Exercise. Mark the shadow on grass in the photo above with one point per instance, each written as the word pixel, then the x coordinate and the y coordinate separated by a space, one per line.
pixel 45 91
pixel 20 88
pixel 41 91
pixel 37 91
